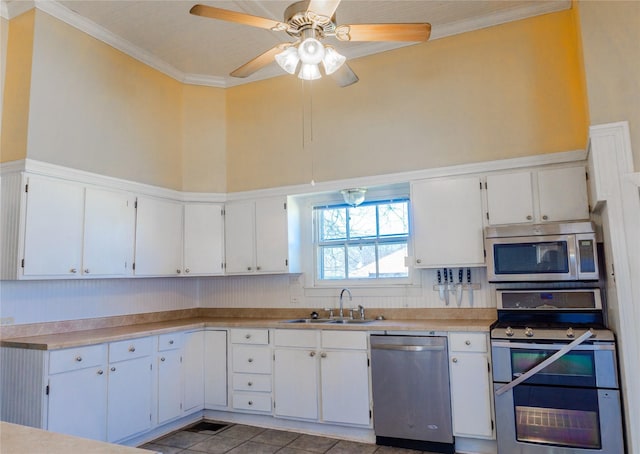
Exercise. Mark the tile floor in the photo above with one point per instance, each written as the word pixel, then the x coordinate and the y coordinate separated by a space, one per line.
pixel 241 439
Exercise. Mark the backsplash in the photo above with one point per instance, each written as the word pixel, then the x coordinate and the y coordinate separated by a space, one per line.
pixel 23 302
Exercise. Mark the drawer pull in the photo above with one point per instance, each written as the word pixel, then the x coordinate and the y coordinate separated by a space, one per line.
pixel 250 360
pixel 73 270
pixel 247 336
pixel 132 349
pixel 113 369
pixel 162 359
pixel 250 402
pixel 467 342
pixel 171 342
pixel 86 271
pixel 100 372
pixel 78 358
pixel 323 355
pixel 312 354
pixel 454 360
pixel 250 383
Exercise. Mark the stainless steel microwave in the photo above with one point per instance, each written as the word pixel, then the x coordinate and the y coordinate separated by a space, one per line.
pixel 542 252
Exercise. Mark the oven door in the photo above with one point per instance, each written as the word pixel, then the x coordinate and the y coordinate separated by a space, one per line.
pixel 536 258
pixel 533 419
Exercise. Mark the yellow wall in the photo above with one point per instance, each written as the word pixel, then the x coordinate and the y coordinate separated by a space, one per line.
pixel 203 139
pixel 611 43
pixel 97 109
pixel 4 39
pixel 16 80
pixel 506 91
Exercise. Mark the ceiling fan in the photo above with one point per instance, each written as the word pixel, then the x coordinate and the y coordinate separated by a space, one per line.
pixel 310 21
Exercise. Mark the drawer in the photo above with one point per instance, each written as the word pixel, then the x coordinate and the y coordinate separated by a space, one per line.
pixel 77 358
pixel 251 401
pixel 252 382
pixel 253 360
pixel 351 340
pixel 295 338
pixel 250 336
pixel 170 341
pixel 130 349
pixel 468 342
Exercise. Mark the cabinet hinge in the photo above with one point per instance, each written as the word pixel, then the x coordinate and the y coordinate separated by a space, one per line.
pixel 22 263
pixel 46 390
pixel 26 187
pixel 485 185
pixel 484 251
pixel 135 204
pixel 151 366
pixel 587 175
pixel 133 266
pixel 488 367
pixel 370 414
pixel 274 404
pixel 487 215
pixel 285 205
pixel 481 185
pixel 368 362
pixel 222 212
pixel 181 359
pixel 149 416
pixel 492 426
pixel 286 262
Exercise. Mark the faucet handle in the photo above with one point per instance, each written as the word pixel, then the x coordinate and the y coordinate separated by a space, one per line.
pixel 351 313
pixel 330 311
pixel 361 310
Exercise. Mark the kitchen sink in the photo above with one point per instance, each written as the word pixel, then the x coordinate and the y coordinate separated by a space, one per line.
pixel 343 321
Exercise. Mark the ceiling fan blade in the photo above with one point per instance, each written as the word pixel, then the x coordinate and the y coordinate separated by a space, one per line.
pixel 259 62
pixel 344 76
pixel 234 16
pixel 325 8
pixel 384 32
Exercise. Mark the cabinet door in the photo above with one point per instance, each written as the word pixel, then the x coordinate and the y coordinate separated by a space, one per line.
pixel 295 383
pixel 129 411
pixel 470 395
pixel 78 403
pixel 158 237
pixel 239 237
pixel 109 228
pixel 271 235
pixel 447 222
pixel 215 369
pixel 169 385
pixel 53 229
pixel 203 239
pixel 510 198
pixel 193 364
pixel 563 194
pixel 345 387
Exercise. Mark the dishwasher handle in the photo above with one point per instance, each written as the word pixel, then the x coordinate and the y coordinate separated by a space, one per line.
pixel 408 348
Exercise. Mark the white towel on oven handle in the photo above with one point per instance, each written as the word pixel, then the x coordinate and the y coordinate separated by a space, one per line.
pixel 551 359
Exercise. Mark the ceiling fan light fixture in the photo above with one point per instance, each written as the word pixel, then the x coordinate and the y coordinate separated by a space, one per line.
pixel 353 196
pixel 332 60
pixel 288 59
pixel 311 51
pixel 309 72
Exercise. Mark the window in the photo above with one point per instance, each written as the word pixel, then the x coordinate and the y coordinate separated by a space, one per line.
pixel 365 242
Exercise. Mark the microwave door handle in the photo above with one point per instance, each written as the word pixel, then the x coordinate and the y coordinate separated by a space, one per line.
pixel 572 251
pixel 550 360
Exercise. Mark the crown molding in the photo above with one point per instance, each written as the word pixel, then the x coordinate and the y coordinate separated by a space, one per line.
pixel 12 8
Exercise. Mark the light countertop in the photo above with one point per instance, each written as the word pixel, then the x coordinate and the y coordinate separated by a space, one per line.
pixel 102 335
pixel 17 439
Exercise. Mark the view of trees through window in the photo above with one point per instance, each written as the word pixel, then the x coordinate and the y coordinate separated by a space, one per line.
pixel 364 242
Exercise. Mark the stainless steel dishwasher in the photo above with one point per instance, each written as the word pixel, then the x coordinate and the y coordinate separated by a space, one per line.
pixel 411 402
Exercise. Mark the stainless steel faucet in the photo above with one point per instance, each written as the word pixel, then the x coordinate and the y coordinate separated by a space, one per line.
pixel 341 304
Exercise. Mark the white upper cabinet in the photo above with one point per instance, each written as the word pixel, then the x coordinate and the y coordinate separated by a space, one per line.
pixel 256 238
pixel 73 231
pixel 447 222
pixel 203 239
pixel 109 229
pixel 548 195
pixel 53 228
pixel 158 237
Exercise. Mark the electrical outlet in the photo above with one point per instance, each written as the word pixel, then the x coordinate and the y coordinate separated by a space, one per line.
pixel 295 300
pixel 7 321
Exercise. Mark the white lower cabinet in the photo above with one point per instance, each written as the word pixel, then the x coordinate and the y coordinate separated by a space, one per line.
pixel 130 387
pixel 170 377
pixel 325 378
pixel 215 369
pixel 251 362
pixel 76 389
pixel 470 381
pixel 193 367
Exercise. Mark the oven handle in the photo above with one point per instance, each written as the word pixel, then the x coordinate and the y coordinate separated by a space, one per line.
pixel 551 359
pixel 537 346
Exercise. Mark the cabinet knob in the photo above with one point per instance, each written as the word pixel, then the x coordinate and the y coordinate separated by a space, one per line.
pixel 247 336
pixel 529 217
pixel 178 270
pixel 73 270
pixel 323 355
pixel 250 383
pixel 113 369
pixel 454 360
pixel 312 354
pixel 132 349
pixel 162 359
pixel 258 268
pixel 100 372
pixel 419 261
pixel 248 268
pixel 250 360
pixel 86 271
pixel 171 342
pixel 545 217
pixel 187 270
pixel 250 402
pixel 78 358
pixel 467 342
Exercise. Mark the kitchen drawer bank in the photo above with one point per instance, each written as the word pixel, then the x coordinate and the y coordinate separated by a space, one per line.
pixel 190 368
